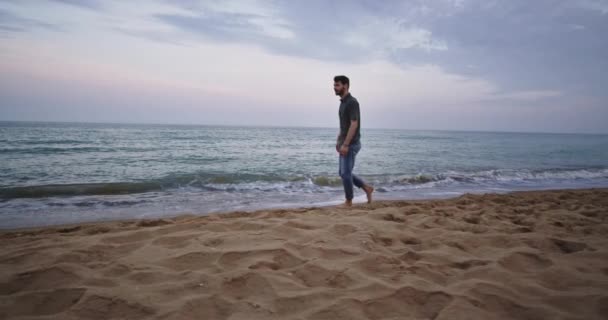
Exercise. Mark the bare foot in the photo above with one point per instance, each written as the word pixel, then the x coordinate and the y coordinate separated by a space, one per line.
pixel 347 204
pixel 368 191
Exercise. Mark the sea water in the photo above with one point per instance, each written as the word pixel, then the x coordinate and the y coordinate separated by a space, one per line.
pixel 56 173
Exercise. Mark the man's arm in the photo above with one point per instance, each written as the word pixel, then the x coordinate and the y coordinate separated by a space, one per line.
pixel 351 132
pixel 353 115
pixel 352 129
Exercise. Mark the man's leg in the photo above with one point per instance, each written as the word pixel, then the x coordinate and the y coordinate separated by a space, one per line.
pixel 359 182
pixel 356 180
pixel 346 168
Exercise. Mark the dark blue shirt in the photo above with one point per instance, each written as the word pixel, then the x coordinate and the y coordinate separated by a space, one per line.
pixel 349 110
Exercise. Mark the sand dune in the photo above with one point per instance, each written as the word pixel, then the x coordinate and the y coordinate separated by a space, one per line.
pixel 526 255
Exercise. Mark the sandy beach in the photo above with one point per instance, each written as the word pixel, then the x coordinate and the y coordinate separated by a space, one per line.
pixel 523 255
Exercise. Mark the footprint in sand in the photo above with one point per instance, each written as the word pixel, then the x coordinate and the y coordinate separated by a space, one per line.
pixel 40 303
pixel 410 241
pixel 131 237
pixel 393 218
pixel 300 225
pixel 213 242
pixel 192 261
pixel 279 258
pixel 100 307
pixel 146 278
pixel 525 262
pixel 213 307
pixel 468 264
pixel 172 242
pixel 408 302
pixel 504 304
pixel 380 266
pixel 99 253
pixel 384 241
pixel 40 279
pixel 312 275
pixel 249 285
pixel 344 229
pixel 566 246
pixel 153 223
pixel 30 257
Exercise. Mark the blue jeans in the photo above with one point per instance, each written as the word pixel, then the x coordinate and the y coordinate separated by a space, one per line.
pixel 347 163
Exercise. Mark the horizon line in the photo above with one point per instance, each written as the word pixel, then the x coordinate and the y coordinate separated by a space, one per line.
pixel 305 127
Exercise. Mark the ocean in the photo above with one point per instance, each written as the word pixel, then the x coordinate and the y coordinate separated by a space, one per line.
pixel 57 173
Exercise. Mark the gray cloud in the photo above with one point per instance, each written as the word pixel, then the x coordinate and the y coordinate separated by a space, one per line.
pixel 312 29
pixel 549 57
pixel 519 44
pixel 10 22
pixel 87 4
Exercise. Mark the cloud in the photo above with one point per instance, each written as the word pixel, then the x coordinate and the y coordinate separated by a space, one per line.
pixel 231 20
pixel 575 26
pixel 521 45
pixel 390 35
pixel 229 27
pixel 10 22
pixel 600 6
pixel 318 30
pixel 531 95
pixel 454 55
pixel 87 4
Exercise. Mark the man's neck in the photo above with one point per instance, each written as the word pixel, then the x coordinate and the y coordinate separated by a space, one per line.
pixel 344 95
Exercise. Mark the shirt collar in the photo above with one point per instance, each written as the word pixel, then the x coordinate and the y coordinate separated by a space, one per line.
pixel 345 97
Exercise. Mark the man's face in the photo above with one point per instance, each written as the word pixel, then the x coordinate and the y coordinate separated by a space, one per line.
pixel 339 88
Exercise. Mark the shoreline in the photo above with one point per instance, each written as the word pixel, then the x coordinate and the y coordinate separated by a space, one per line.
pixel 356 205
pixel 524 254
pixel 56 206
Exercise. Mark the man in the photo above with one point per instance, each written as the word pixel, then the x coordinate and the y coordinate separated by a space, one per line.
pixel 348 142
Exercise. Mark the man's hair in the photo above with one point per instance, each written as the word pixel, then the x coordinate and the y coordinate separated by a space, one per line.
pixel 343 80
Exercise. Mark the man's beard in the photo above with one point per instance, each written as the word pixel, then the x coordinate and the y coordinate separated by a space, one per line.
pixel 339 92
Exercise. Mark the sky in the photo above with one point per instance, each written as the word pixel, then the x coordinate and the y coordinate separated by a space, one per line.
pixel 511 65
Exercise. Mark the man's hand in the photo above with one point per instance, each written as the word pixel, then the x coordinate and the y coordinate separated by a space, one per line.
pixel 343 150
pixel 349 137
